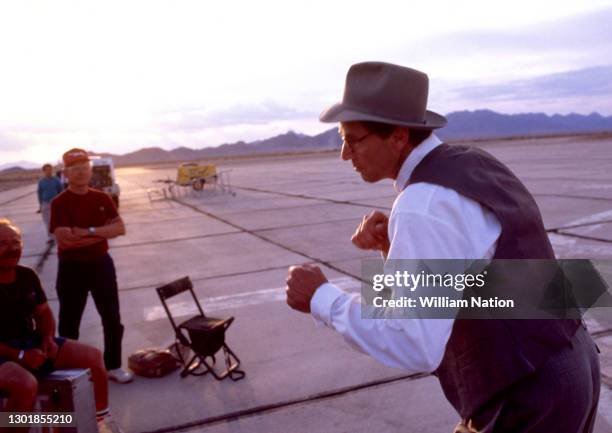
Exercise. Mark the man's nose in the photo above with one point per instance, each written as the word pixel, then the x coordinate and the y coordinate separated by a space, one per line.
pixel 346 153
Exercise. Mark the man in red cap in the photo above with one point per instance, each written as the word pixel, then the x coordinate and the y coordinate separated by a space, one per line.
pixel 82 220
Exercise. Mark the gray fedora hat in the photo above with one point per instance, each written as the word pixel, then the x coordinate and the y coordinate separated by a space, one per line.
pixel 387 93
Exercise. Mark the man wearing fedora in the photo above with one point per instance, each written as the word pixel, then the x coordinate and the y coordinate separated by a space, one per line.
pixel 454 202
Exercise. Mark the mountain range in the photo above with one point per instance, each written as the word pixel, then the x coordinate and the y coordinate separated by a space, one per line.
pixel 489 124
pixel 462 125
pixel 18 166
pixel 285 143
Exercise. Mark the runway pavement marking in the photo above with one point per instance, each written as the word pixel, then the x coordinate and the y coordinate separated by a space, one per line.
pixel 590 225
pixel 579 197
pixel 593 218
pixel 567 241
pixel 239 300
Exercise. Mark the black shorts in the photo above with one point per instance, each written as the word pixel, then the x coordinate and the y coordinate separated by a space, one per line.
pixel 34 342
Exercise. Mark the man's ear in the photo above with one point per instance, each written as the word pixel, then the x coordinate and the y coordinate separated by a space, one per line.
pixel 399 138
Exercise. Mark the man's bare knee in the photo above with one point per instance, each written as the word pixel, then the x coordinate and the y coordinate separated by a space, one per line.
pixel 29 388
pixel 20 385
pixel 95 360
pixel 97 356
pixel 92 357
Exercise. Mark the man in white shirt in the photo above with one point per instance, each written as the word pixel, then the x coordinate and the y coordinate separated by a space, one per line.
pixel 387 134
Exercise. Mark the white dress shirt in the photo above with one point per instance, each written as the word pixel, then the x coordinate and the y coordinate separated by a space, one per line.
pixel 427 221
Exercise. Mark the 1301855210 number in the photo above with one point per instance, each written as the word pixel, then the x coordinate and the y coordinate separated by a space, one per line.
pixel 28 419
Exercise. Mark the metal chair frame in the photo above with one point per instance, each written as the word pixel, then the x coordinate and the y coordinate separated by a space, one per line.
pixel 212 333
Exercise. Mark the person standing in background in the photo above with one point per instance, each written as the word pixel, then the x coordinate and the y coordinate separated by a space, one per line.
pixel 83 219
pixel 48 187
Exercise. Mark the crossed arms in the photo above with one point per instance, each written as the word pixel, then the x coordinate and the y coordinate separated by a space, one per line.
pixel 79 237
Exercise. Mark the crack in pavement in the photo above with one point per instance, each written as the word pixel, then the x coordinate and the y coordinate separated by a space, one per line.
pixel 271 241
pixel 258 410
pixel 309 197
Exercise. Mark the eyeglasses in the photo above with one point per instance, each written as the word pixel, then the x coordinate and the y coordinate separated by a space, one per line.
pixel 352 142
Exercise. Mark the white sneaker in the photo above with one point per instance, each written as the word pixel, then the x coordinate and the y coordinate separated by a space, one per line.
pixel 108 425
pixel 120 376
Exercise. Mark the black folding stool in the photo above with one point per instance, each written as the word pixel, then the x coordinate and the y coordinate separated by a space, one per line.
pixel 205 336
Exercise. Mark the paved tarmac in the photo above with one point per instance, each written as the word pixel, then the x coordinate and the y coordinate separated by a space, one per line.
pixel 236 249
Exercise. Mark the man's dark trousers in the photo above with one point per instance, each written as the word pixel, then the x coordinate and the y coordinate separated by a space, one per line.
pixel 555 398
pixel 75 279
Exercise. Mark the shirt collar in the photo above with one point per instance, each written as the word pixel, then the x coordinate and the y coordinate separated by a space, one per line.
pixel 416 156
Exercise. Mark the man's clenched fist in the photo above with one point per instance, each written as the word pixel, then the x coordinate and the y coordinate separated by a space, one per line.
pixel 372 233
pixel 302 282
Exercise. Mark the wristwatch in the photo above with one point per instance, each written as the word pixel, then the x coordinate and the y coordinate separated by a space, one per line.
pixel 92 230
pixel 21 355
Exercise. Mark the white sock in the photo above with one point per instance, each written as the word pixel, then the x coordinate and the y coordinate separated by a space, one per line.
pixel 102 413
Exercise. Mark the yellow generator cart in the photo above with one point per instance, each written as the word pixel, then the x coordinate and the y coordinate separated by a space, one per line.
pixel 196 175
pixel 193 179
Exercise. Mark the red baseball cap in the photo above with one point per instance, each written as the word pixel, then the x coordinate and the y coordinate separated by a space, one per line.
pixel 74 156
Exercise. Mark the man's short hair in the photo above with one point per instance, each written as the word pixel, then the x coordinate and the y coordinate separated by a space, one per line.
pixel 5 222
pixel 47 165
pixel 384 130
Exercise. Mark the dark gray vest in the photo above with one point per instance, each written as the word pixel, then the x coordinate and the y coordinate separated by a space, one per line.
pixel 482 358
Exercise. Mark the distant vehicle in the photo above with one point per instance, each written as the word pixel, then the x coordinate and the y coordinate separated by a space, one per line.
pixel 192 176
pixel 103 177
pixel 196 175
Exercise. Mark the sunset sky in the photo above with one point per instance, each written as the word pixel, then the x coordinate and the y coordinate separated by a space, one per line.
pixel 117 76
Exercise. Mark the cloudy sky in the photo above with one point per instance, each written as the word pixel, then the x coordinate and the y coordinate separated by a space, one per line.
pixel 116 76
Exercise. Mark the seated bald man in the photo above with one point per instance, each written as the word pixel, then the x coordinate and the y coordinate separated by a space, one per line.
pixel 29 349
